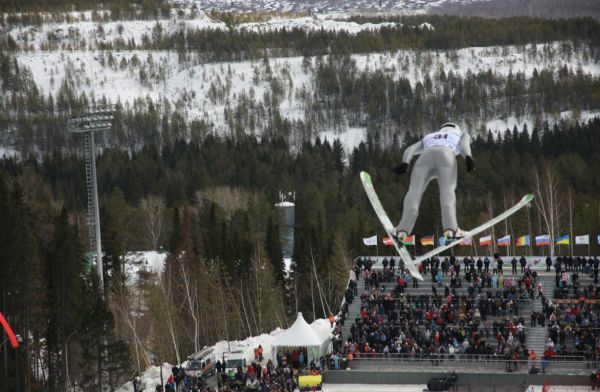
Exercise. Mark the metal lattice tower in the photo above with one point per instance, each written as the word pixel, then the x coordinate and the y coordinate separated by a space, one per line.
pixel 91 121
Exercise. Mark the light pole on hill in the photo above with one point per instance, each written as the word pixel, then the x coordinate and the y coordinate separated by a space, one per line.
pixel 94 119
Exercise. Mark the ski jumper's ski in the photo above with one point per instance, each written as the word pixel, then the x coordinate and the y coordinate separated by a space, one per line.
pixel 387 225
pixel 479 229
pixel 411 263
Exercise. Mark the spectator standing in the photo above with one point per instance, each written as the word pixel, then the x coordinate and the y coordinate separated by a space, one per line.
pixel 500 263
pixel 523 262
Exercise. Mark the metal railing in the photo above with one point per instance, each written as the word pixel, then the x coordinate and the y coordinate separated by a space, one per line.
pixel 466 362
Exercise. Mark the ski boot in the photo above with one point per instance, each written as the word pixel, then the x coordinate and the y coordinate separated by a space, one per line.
pixel 453 235
pixel 399 235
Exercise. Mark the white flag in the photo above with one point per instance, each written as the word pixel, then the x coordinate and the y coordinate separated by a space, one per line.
pixel 370 241
pixel 582 239
pixel 487 240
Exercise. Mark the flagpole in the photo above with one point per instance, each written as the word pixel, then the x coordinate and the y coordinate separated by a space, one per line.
pixel 513 243
pixel 529 224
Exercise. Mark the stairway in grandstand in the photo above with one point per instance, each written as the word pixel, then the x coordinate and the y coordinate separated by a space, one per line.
pixel 353 312
pixel 536 337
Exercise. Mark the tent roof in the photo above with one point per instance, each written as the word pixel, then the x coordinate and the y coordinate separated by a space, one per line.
pixel 300 334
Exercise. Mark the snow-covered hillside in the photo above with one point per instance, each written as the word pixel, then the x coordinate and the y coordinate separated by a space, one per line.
pixel 81 31
pixel 206 90
pixel 346 6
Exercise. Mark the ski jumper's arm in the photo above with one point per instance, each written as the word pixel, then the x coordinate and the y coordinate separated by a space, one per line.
pixel 411 151
pixel 464 145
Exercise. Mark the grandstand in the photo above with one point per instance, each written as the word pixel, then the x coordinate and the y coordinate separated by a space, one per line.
pixel 482 328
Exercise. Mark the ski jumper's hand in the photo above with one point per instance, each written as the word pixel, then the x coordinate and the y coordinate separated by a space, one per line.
pixel 470 163
pixel 401 168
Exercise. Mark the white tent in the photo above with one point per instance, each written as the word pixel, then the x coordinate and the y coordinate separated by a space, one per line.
pixel 301 334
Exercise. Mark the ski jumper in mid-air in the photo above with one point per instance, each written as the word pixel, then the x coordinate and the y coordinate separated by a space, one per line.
pixel 437 160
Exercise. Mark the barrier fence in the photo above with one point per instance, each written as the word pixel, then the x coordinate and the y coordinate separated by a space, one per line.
pixel 465 362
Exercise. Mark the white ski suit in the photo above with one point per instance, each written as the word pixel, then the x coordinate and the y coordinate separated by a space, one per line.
pixel 437 160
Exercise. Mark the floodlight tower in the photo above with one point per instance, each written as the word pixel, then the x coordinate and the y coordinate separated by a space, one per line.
pixel 94 119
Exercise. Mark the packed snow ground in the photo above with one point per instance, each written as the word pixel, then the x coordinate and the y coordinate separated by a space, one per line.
pixel 421 388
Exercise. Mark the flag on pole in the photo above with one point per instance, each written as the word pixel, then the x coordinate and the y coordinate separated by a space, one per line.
pixel 524 240
pixel 370 241
pixel 504 241
pixel 582 239
pixel 487 240
pixel 427 240
pixel 409 240
pixel 465 242
pixel 388 241
pixel 563 240
pixel 542 240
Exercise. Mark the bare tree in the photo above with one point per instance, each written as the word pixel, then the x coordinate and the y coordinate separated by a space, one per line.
pixel 153 209
pixel 229 199
pixel 166 321
pixel 188 286
pixel 130 319
pixel 546 187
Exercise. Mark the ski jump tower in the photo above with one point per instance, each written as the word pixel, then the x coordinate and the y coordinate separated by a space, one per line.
pixel 92 120
pixel 287 220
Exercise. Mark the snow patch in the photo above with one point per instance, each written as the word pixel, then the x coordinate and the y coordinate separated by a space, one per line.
pixel 150 378
pixel 350 137
pixel 8 152
pixel 426 26
pixel 369 388
pixel 148 261
pixel 499 125
pixel 314 24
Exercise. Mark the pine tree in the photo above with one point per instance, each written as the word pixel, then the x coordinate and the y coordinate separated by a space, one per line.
pixel 65 269
pixel 7 272
pixel 175 239
pixel 105 360
pixel 273 249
